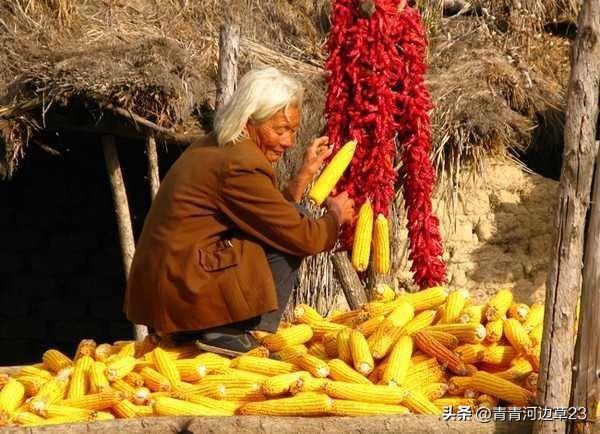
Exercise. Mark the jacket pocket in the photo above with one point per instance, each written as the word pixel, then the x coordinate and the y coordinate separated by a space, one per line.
pixel 223 256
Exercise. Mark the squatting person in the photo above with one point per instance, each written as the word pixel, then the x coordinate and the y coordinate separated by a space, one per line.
pixel 221 245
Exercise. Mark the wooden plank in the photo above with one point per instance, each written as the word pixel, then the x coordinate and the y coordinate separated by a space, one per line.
pixel 229 52
pixel 153 172
pixel 564 281
pixel 586 388
pixel 353 289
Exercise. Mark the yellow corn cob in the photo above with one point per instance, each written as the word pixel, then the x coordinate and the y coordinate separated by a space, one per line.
pixel 332 173
pixel 280 384
pixel 520 369
pixel 165 406
pixel 350 318
pixel 312 404
pixel 323 327
pixel 492 385
pixel 361 248
pixel 361 355
pixel 454 305
pixel 294 335
pixel 213 361
pixel 399 322
pixel 125 409
pixel 375 375
pixel 535 317
pixel 308 384
pixel 381 343
pixel 247 393
pixel 499 354
pixel 26 418
pixel 55 410
pixel 54 360
pixel 344 351
pixel 485 400
pixel 381 245
pixel 434 391
pixel 122 386
pixel 317 349
pixel 227 407
pixel 536 334
pixel 262 366
pixel 470 332
pixel 140 396
pixel 516 335
pixel 419 357
pixel 32 384
pixel 312 364
pixel 471 353
pixel 341 407
pixel 454 403
pixel 64 374
pixel 97 377
pixel 427 299
pixel 119 367
pixel 366 392
pixel 518 311
pixel 446 357
pixel 155 381
pixel 472 313
pixel 305 314
pixel 447 339
pixel 12 396
pixel 239 373
pixel 134 379
pixel 79 384
pixel 289 354
pixel 94 401
pixel 258 352
pixel 499 305
pixel 33 371
pixel 458 385
pixel 341 371
pixel 50 392
pixel 420 321
pixel 398 362
pixel 182 351
pixel 330 344
pixel 86 347
pixel 378 308
pixel 103 415
pixel 229 381
pixel 103 352
pixel 418 403
pixel 383 292
pixel 368 327
pixel 166 366
pixel 189 370
pixel 494 330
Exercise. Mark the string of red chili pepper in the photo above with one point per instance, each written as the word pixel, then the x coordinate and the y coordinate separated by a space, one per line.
pixel 376 95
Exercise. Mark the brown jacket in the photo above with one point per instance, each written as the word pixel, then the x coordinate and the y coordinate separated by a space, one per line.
pixel 199 261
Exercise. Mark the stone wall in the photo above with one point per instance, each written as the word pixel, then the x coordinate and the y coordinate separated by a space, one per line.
pixel 501 235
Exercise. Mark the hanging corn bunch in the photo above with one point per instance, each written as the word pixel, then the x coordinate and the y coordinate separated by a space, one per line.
pixel 376 95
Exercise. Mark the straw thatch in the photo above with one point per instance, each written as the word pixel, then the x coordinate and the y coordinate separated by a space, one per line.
pixel 494 73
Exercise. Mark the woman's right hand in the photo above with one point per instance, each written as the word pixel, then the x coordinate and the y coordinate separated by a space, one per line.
pixel 342 207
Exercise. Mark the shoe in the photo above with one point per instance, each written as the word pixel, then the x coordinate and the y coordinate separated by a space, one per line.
pixel 226 343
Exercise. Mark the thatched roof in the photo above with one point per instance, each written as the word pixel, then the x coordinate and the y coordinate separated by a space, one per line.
pixel 493 71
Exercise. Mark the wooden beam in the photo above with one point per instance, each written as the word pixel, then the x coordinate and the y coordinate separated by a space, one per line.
pixel 153 172
pixel 229 52
pixel 353 289
pixel 119 194
pixel 564 281
pixel 587 353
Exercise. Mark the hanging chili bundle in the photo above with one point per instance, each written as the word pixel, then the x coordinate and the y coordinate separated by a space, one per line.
pixel 377 95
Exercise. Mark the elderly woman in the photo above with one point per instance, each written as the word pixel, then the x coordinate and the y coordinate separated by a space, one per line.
pixel 221 245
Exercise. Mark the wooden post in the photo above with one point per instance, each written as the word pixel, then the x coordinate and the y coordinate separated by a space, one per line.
pixel 579 156
pixel 115 176
pixel 586 384
pixel 153 174
pixel 229 52
pixel 353 290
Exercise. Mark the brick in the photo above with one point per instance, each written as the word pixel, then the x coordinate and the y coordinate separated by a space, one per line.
pixel 11 262
pixel 23 328
pixel 74 331
pixel 109 308
pixel 57 308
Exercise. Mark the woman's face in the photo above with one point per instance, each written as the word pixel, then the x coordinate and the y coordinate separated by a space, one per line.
pixel 277 133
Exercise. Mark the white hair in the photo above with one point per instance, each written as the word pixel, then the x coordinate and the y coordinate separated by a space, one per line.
pixel 260 94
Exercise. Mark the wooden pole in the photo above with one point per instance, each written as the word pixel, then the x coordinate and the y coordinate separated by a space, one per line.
pixel 353 290
pixel 587 353
pixel 229 52
pixel 115 176
pixel 579 156
pixel 153 174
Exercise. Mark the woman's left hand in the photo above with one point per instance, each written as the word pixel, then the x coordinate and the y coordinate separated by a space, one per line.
pixel 315 155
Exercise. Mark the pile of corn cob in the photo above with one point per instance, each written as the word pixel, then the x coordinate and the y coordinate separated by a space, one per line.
pixel 416 352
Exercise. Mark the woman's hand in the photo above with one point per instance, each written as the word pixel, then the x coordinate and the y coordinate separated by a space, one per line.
pixel 315 155
pixel 342 207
